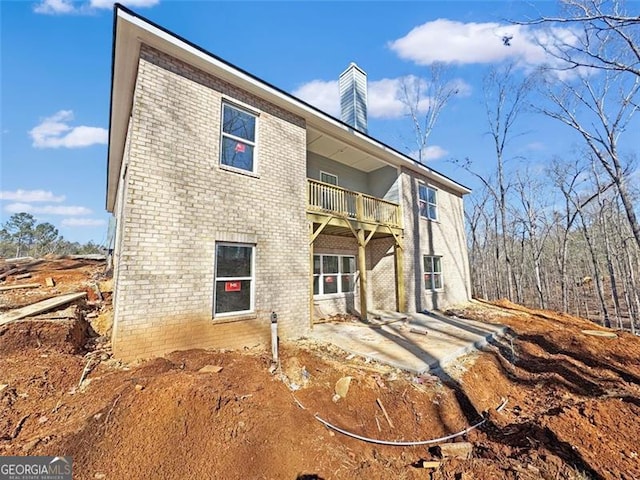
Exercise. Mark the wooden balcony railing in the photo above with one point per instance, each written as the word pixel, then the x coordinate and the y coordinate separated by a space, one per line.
pixel 327 198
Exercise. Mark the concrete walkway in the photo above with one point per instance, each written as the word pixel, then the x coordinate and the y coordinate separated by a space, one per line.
pixel 392 342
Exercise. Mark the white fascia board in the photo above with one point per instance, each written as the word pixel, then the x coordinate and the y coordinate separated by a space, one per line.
pixel 132 31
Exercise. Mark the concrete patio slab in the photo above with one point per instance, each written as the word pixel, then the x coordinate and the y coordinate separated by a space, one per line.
pixel 392 342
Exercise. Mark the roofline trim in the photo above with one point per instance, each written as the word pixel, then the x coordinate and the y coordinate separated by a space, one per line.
pixel 320 117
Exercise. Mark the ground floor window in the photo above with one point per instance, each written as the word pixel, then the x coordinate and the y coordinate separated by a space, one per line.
pixel 234 280
pixel 333 274
pixel 432 272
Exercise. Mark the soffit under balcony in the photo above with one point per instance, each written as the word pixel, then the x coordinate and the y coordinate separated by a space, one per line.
pixel 339 151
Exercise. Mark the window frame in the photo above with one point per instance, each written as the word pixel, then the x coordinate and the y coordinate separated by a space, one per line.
pixel 322 172
pixel 432 272
pixel 252 143
pixel 251 278
pixel 339 274
pixel 423 205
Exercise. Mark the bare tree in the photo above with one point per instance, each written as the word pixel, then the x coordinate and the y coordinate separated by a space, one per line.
pixel 425 100
pixel 606 36
pixel 599 97
pixel 505 99
pixel 599 108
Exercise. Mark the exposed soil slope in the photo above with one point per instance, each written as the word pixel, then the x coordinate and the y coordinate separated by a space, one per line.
pixel 573 409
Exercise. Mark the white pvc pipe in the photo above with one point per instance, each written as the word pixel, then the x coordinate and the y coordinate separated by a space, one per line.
pixel 412 443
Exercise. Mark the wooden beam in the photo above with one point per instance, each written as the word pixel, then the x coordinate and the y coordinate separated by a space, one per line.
pixel 395 237
pixel 375 229
pixel 401 296
pixel 354 225
pixel 23 285
pixel 362 266
pixel 318 231
pixel 311 309
pixel 39 307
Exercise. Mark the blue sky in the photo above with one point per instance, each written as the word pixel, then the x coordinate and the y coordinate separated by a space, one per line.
pixel 56 63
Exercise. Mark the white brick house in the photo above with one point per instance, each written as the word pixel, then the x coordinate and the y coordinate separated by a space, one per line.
pixel 234 200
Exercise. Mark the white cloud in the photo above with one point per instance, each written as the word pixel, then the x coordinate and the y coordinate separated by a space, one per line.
pixel 535 146
pixel 450 41
pixel 47 209
pixel 384 96
pixel 431 152
pixel 54 7
pixel 26 196
pixel 82 222
pixel 129 3
pixel 61 7
pixel 322 95
pixel 55 132
pixel 434 152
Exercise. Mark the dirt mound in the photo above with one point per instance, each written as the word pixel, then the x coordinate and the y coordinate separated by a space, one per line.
pixel 59 335
pixel 573 405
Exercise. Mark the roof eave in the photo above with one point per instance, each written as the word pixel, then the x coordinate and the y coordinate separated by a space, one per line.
pixel 131 30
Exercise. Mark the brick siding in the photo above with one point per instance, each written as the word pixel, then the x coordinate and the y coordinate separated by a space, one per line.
pixel 179 202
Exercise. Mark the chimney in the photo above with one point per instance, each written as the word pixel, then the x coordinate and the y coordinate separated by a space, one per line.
pixel 353 97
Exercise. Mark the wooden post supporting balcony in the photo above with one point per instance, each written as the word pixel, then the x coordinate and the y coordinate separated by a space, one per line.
pixel 401 299
pixel 362 261
pixel 364 216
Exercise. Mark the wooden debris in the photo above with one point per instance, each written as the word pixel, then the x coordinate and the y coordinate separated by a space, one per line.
pixel 39 307
pixel 418 330
pixel 384 412
pixel 21 268
pixel 427 464
pixel 460 450
pixel 20 285
pixel 599 333
pixel 210 369
pixel 50 282
pixel 22 276
pixel 10 272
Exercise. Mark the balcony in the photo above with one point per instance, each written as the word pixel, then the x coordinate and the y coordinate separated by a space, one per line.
pixel 346 205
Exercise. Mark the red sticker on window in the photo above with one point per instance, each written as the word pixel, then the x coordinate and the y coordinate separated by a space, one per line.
pixel 329 279
pixel 240 147
pixel 232 286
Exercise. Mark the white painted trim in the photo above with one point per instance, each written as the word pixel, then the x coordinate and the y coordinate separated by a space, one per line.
pixel 252 278
pixel 131 31
pixel 331 175
pixel 253 143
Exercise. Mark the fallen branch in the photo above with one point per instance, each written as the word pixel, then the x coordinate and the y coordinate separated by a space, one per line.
pixel 384 411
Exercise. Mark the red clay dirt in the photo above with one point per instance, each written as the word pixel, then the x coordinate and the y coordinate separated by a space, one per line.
pixel 572 412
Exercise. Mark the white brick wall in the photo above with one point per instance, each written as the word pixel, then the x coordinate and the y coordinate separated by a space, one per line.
pixel 180 201
pixel 445 237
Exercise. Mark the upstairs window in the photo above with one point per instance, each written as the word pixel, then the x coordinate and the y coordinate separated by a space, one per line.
pixel 432 272
pixel 238 138
pixel 428 202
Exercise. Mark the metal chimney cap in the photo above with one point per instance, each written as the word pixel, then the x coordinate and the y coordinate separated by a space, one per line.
pixel 353 65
